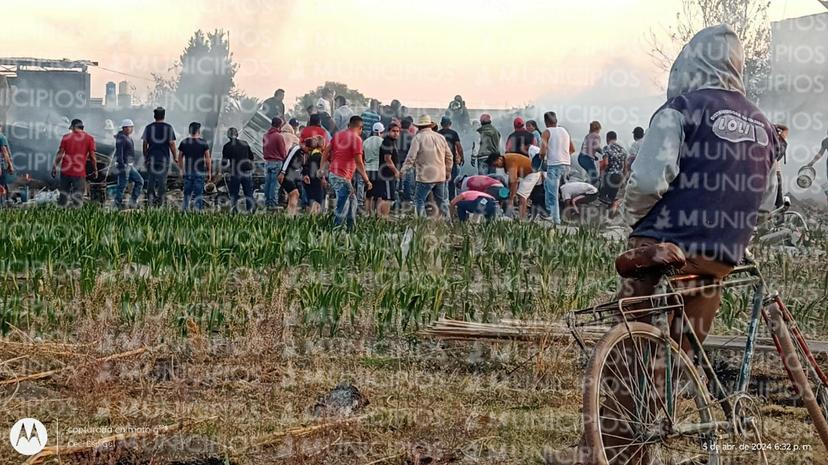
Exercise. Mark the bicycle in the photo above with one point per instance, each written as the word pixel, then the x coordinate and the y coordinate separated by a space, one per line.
pixel 648 399
pixel 787 227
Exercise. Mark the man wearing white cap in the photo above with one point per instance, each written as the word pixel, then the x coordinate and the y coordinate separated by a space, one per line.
pixel 125 166
pixel 371 151
pixel 431 156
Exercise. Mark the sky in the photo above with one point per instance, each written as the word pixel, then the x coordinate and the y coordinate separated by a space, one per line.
pixel 496 53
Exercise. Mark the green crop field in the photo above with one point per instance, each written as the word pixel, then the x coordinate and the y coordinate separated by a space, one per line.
pixel 241 322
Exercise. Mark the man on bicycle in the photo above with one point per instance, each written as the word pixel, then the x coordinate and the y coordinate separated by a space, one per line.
pixel 699 178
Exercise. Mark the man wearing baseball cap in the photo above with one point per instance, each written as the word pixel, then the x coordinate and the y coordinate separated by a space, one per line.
pixel 489 143
pixel 125 166
pixel 520 140
pixel 371 151
pixel 75 149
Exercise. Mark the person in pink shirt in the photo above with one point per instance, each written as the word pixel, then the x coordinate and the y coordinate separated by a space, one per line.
pixel 473 202
pixel 480 183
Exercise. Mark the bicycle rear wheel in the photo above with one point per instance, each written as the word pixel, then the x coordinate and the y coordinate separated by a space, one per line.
pixel 632 416
pixel 809 388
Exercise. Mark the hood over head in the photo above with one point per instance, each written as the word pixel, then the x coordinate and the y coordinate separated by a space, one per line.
pixel 288 129
pixel 713 59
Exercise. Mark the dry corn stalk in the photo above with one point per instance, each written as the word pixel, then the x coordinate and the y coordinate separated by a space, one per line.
pixel 49 373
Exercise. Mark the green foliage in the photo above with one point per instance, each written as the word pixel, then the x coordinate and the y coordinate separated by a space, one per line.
pixel 748 18
pixel 217 270
pixel 202 78
pixel 354 97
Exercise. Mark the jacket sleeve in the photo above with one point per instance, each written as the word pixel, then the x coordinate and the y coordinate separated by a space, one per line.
pixel 119 151
pixel 656 166
pixel 447 157
pixel 410 157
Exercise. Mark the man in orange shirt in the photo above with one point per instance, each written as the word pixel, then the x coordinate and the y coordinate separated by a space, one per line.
pixel 75 149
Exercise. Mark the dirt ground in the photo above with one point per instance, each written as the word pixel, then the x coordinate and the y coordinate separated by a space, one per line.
pixel 250 400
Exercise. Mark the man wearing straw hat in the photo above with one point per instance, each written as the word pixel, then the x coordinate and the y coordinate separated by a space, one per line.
pixel 431 157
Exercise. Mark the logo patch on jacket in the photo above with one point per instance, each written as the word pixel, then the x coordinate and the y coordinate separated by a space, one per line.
pixel 735 127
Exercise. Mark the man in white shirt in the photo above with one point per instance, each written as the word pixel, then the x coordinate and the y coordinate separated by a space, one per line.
pixel 578 193
pixel 343 113
pixel 557 145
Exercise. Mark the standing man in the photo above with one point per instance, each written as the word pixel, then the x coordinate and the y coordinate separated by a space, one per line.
pixel 343 113
pixel 158 149
pixel 6 168
pixel 344 156
pixel 75 149
pixel 613 177
pixel 638 139
pixel 125 166
pixel 371 147
pixel 274 151
pixel 457 155
pixel 385 192
pixel 557 146
pixel 370 117
pixel 403 145
pixel 431 156
pixel 194 158
pixel 489 143
pixel 520 140
pixel 237 158
pixel 275 106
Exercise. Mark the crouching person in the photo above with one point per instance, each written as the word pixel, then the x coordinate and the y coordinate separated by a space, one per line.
pixel 474 203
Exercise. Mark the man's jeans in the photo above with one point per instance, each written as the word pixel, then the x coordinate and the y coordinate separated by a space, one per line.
pixel 409 183
pixel 128 174
pixel 482 166
pixel 72 189
pixel 245 182
pixel 555 176
pixel 271 185
pixel 193 187
pixel 482 206
pixel 452 188
pixel 440 196
pixel 359 185
pixel 156 185
pixel 588 164
pixel 346 202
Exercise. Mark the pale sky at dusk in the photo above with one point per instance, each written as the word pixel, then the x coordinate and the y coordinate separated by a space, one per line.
pixel 494 53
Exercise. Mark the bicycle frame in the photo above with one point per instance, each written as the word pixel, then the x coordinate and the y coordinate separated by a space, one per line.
pixel 741 276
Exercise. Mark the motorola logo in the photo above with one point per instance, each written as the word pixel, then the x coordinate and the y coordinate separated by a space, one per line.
pixel 28 436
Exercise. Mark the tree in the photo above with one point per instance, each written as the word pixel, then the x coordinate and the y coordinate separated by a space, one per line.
pixel 201 80
pixel 354 97
pixel 748 18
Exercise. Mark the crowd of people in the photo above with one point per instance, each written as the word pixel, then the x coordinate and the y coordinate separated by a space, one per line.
pixel 373 163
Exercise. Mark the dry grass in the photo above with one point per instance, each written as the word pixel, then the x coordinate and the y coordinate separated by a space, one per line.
pixel 251 397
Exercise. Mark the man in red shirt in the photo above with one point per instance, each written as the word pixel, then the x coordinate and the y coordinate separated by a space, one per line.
pixel 344 155
pixel 75 149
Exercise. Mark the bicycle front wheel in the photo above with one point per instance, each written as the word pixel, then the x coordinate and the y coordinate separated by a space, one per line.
pixel 632 414
pixel 809 388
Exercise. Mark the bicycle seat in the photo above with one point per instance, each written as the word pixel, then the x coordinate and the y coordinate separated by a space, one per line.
pixel 656 258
